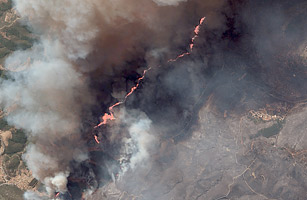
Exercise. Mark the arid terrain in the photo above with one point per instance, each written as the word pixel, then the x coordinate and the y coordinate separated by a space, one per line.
pixel 228 158
pixel 14 176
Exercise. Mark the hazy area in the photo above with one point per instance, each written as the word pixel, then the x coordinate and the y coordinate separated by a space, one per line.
pixel 153 99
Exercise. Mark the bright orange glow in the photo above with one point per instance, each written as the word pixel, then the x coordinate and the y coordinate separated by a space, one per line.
pixel 105 118
pixel 180 56
pixel 56 196
pixel 196 32
pixel 96 139
pixel 110 116
pixel 137 84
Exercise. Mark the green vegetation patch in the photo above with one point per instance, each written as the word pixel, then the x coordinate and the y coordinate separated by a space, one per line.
pixel 15 36
pixel 8 44
pixel 4 7
pixel 4 125
pixel 270 131
pixel 10 192
pixel 19 31
pixel 6 158
pixel 3 76
pixel 19 136
pixel 11 166
pixel 14 147
pixel 17 143
pixel 19 36
pixel 4 52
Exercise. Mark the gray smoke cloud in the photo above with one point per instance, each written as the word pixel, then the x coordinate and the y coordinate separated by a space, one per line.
pixel 46 98
pixel 82 42
pixel 140 142
pixel 240 61
pixel 34 196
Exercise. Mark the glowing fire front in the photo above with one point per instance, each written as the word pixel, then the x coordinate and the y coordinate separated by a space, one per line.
pixel 196 33
pixel 96 139
pixel 110 115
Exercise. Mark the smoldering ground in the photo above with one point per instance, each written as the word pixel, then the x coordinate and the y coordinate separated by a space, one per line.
pixel 89 53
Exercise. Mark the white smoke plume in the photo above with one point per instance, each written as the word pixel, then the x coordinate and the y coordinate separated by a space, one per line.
pixel 48 96
pixel 59 182
pixel 29 195
pixel 46 99
pixel 139 134
pixel 77 38
pixel 140 142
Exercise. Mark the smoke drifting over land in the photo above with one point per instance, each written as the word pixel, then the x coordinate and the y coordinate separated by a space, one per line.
pixel 89 53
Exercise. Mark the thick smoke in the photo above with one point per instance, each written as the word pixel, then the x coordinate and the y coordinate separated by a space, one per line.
pixel 47 98
pixel 140 141
pixel 88 53
pixel 34 196
pixel 245 58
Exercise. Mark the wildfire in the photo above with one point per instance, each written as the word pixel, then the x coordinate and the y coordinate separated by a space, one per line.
pixel 96 139
pixel 57 195
pixel 196 33
pixel 105 118
pixel 138 83
pixel 110 116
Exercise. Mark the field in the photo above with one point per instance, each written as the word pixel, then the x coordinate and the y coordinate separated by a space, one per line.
pixel 14 177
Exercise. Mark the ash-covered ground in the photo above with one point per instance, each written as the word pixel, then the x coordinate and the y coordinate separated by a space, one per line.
pixel 220 113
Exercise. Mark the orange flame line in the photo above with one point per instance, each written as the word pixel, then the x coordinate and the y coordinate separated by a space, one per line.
pixel 96 139
pixel 110 116
pixel 57 195
pixel 196 33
